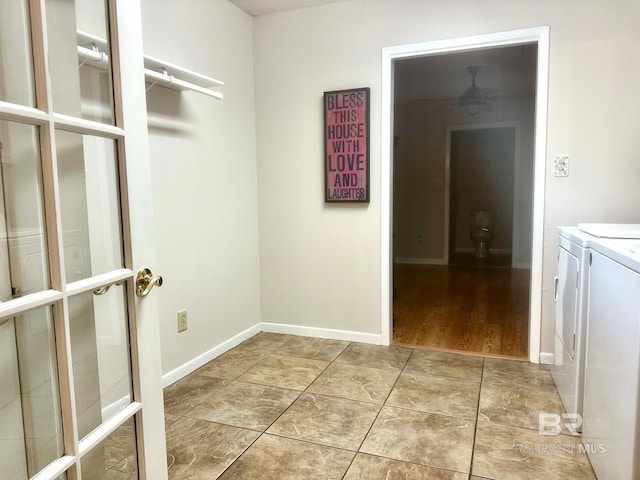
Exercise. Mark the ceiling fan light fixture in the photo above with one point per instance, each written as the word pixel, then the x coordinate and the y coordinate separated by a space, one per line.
pixel 473 108
pixel 472 100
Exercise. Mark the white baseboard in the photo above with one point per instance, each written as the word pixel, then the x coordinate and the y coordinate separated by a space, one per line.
pixel 547 358
pixel 495 251
pixel 322 333
pixel 110 410
pixel 192 365
pixel 419 261
pixel 522 266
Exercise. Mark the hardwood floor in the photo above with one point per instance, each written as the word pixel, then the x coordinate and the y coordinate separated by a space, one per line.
pixel 476 309
pixel 468 259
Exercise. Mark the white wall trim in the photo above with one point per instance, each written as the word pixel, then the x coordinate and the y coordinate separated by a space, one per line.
pixel 522 266
pixel 539 157
pixel 496 251
pixel 113 408
pixel 386 192
pixel 317 332
pixel 419 261
pixel 547 358
pixel 192 365
pixel 333 334
pixel 539 35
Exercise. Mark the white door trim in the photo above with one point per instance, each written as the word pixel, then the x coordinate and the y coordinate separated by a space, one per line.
pixel 539 35
pixel 515 223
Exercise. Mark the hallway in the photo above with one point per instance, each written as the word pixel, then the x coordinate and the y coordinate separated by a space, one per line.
pixel 472 309
pixel 288 407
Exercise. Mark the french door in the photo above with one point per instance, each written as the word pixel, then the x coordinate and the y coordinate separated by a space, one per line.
pixel 80 378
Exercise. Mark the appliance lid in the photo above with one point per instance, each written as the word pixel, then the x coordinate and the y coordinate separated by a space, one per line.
pixel 611 230
pixel 624 251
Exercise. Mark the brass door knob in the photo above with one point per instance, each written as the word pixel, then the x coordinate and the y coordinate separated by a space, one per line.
pixel 105 289
pixel 145 281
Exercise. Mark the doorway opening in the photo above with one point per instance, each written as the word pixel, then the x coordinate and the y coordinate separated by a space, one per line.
pixel 482 202
pixel 445 170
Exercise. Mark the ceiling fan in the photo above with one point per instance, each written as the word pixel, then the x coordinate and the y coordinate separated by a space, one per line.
pixel 475 99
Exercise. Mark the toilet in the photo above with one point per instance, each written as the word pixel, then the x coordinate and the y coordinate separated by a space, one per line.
pixel 482 222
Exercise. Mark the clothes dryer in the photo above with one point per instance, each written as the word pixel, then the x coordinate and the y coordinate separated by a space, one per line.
pixel 571 289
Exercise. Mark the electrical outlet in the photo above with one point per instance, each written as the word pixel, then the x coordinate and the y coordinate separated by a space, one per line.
pixel 561 166
pixel 182 320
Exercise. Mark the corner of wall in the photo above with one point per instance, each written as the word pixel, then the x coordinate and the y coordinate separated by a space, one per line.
pixel 207 235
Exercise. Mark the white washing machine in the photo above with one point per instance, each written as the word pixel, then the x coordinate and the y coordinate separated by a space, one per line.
pixel 611 429
pixel 571 292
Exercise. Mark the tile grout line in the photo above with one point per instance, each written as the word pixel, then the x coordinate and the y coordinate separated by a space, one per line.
pixel 308 386
pixel 379 411
pixel 400 371
pixel 475 430
pixel 234 380
pixel 239 456
pixel 300 392
pixel 261 432
pixel 485 371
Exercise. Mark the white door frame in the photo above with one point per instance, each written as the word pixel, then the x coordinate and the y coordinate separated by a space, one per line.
pixel 539 35
pixel 515 223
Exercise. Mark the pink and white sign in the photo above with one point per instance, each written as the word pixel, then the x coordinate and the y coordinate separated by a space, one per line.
pixel 346 130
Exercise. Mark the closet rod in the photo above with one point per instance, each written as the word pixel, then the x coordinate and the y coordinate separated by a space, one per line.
pixel 170 81
pixel 156 71
pixel 93 55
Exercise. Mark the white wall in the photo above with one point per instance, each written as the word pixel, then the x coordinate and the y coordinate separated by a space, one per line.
pixel 320 265
pixel 204 176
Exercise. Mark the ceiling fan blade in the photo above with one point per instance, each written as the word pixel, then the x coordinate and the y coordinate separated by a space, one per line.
pixel 440 108
pixel 488 92
pixel 435 99
pixel 515 96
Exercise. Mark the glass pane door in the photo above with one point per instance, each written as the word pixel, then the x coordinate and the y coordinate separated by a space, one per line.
pixel 73 381
pixel 16 72
pixel 31 433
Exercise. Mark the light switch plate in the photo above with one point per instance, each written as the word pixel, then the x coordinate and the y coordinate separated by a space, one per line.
pixel 182 320
pixel 561 166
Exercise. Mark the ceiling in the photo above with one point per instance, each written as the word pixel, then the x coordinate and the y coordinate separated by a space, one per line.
pixel 256 8
pixel 509 70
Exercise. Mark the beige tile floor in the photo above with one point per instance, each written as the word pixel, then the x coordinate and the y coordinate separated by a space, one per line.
pixel 287 407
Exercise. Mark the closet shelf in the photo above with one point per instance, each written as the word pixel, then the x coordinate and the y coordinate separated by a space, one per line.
pixel 92 50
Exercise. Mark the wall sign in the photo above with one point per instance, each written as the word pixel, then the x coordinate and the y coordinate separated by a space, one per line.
pixel 346 145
